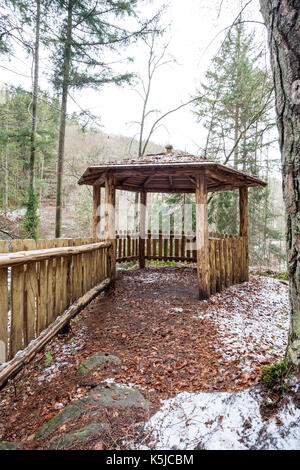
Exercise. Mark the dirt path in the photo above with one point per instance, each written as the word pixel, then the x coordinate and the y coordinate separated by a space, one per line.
pixel 165 341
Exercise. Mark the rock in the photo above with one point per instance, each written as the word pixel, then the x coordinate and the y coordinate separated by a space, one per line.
pixel 99 397
pixel 5 445
pixel 93 361
pixel 77 436
pixel 69 413
pixel 118 396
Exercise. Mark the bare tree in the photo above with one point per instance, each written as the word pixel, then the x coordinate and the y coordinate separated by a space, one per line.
pixel 157 57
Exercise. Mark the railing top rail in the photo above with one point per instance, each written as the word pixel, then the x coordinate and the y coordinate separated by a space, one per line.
pixel 31 256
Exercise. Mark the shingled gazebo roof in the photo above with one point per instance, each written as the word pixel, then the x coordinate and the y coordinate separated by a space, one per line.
pixel 168 172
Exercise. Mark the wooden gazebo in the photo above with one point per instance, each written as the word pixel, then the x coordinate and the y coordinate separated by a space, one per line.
pixel 179 173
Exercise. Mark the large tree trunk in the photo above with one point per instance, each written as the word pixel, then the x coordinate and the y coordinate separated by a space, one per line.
pixel 282 18
pixel 63 115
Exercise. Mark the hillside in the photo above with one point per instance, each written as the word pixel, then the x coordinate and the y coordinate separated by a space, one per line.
pixel 81 150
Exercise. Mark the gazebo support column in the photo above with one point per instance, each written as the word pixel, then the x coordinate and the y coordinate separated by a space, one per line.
pixel 244 230
pixel 202 237
pixel 110 199
pixel 96 208
pixel 142 228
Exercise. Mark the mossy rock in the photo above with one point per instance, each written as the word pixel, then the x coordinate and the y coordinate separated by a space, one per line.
pixel 78 436
pixel 6 445
pixel 273 374
pixel 94 361
pixel 69 413
pixel 99 397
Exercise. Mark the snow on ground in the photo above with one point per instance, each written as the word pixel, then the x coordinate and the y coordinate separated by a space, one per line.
pixel 252 319
pixel 221 421
pixel 149 277
pixel 58 364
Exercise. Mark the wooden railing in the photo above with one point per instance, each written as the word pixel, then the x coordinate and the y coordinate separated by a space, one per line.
pixel 39 281
pixel 127 246
pixel 170 247
pixel 227 254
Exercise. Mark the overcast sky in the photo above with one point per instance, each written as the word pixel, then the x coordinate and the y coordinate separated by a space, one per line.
pixel 195 33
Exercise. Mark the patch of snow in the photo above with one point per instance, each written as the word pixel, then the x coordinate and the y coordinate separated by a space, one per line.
pixel 222 421
pixel 58 406
pixel 252 321
pixel 53 371
pixel 59 364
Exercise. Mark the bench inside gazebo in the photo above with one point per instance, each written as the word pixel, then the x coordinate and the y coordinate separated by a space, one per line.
pixel 221 260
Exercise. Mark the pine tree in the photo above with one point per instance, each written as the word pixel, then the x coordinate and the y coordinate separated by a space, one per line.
pixel 236 112
pixel 87 31
pixel 15 144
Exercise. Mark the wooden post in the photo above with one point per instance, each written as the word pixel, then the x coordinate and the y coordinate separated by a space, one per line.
pixel 110 200
pixel 96 208
pixel 212 266
pixel 244 230
pixel 217 265
pixel 142 228
pixel 202 237
pixel 222 265
pixel 3 307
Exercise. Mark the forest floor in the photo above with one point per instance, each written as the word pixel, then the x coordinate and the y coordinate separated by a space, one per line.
pixel 142 367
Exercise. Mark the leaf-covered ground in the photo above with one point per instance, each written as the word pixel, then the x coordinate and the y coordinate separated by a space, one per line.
pixel 168 342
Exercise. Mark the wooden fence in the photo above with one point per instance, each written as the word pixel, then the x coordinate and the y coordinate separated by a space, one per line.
pixel 127 246
pixel 38 281
pixel 227 254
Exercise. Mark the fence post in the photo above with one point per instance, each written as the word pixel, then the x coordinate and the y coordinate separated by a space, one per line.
pixel 110 199
pixel 3 307
pixel 243 202
pixel 142 228
pixel 202 237
pixel 96 208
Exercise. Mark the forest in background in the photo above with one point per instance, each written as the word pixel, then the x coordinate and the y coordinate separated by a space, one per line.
pixel 235 105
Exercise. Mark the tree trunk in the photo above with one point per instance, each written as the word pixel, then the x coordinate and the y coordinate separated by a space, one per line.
pixel 282 19
pixel 35 94
pixel 31 220
pixel 63 115
pixel 6 162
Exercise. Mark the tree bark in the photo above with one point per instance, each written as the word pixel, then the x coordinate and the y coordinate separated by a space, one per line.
pixel 63 115
pixel 282 19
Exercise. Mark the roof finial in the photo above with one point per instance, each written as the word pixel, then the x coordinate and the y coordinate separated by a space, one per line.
pixel 169 148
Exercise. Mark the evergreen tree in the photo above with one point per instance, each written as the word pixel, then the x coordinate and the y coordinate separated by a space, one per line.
pixel 236 112
pixel 87 31
pixel 21 19
pixel 15 143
